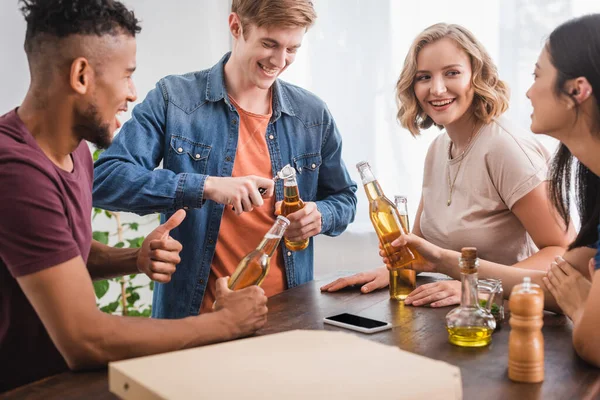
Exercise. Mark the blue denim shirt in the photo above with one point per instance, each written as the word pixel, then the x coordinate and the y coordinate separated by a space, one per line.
pixel 188 123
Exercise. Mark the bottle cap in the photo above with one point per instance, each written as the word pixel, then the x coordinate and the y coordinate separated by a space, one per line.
pixel 286 172
pixel 362 164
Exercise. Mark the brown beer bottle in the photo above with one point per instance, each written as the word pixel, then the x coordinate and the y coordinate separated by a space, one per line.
pixel 389 226
pixel 291 203
pixel 402 280
pixel 525 341
pixel 254 267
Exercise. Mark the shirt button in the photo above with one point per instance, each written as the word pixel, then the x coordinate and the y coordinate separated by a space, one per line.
pixel 233 121
pixel 198 156
pixel 211 241
pixel 186 208
pixel 289 253
pixel 201 281
pixel 313 166
pixel 227 158
pixel 179 150
pixel 271 137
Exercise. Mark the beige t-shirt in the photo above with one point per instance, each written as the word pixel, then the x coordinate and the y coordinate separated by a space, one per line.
pixel 501 165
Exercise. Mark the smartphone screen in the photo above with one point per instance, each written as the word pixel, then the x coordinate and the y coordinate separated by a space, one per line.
pixel 362 322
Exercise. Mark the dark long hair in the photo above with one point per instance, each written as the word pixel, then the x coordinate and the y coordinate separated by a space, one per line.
pixel 574 49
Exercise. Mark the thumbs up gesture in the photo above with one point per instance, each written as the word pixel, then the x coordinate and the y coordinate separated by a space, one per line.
pixel 159 254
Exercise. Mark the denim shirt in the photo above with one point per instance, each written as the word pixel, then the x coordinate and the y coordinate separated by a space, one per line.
pixel 188 123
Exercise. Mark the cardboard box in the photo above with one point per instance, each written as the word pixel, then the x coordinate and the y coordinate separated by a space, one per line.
pixel 289 365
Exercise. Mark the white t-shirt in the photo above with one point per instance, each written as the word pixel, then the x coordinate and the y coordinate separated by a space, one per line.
pixel 501 165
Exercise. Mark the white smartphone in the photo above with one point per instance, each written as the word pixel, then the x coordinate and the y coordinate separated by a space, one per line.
pixel 357 323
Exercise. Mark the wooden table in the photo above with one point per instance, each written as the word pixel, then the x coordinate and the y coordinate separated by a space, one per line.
pixel 420 330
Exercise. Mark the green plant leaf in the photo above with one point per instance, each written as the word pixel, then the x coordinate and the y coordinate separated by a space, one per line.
pixel 151 286
pixel 147 312
pixel 100 287
pixel 97 154
pixel 101 237
pixel 133 313
pixel 120 245
pixel 132 289
pixel 97 211
pixel 132 298
pixel 108 214
pixel 137 242
pixel 132 276
pixel 111 307
pixel 132 225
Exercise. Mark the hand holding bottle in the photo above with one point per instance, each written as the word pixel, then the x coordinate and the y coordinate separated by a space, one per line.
pixel 245 309
pixel 243 193
pixel 429 254
pixel 304 223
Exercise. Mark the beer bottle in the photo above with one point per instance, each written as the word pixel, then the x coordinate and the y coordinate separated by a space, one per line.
pixel 291 203
pixel 254 267
pixel 388 225
pixel 402 279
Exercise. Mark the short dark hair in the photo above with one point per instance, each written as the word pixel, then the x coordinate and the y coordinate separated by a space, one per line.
pixel 62 18
pixel 574 49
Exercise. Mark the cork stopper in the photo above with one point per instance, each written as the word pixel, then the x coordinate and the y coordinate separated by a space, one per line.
pixel 468 259
pixel 468 253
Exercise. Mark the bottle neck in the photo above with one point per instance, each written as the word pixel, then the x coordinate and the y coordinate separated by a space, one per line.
pixel 290 181
pixel 373 190
pixel 468 277
pixel 469 290
pixel 401 205
pixel 271 240
pixel 366 175
pixel 290 190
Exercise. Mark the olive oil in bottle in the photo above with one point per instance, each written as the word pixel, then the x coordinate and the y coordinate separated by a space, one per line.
pixel 469 325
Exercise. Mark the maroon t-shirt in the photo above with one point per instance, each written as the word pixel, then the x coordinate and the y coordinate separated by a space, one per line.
pixel 45 220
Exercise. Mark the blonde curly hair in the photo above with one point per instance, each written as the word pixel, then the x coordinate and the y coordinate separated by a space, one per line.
pixel 491 94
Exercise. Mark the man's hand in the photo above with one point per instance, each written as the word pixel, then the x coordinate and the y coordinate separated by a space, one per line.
pixel 568 286
pixel 304 223
pixel 438 294
pixel 159 254
pixel 429 254
pixel 370 280
pixel 242 192
pixel 246 309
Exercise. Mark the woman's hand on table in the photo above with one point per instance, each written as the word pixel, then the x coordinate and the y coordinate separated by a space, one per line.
pixel 436 294
pixel 370 280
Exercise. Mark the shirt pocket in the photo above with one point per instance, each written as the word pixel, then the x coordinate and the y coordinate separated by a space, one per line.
pixel 307 166
pixel 188 156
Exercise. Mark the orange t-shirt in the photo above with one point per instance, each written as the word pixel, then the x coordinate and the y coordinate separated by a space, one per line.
pixel 239 235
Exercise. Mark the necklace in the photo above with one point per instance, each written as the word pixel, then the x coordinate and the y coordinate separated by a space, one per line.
pixel 451 182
